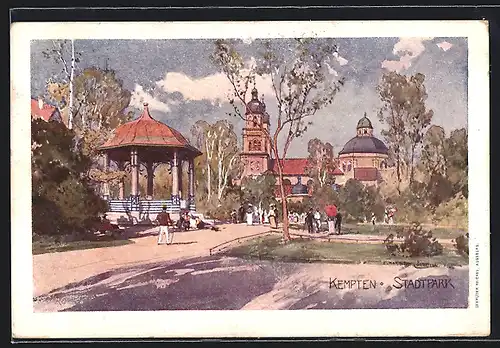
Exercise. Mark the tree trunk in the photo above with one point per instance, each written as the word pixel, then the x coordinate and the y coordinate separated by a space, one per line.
pixel 70 111
pixel 412 171
pixel 398 171
pixel 284 205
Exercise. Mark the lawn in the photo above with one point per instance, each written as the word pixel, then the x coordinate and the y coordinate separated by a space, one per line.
pixel 269 247
pixel 42 247
pixel 384 230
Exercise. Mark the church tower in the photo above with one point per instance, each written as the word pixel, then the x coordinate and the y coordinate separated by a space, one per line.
pixel 256 152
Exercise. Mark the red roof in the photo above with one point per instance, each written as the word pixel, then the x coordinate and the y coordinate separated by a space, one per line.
pixel 146 131
pixel 45 112
pixel 292 166
pixel 338 171
pixel 365 174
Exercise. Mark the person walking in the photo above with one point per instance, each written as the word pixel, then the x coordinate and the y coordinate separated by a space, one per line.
pixel 250 215
pixel 317 219
pixel 272 217
pixel 309 221
pixel 338 223
pixel 164 220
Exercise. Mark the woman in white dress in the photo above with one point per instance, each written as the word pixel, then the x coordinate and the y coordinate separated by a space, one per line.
pixel 250 216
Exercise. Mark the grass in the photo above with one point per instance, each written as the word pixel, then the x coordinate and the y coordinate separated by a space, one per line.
pixel 269 247
pixel 42 247
pixel 384 230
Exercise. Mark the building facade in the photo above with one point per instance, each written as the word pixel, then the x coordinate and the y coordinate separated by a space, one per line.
pixel 363 157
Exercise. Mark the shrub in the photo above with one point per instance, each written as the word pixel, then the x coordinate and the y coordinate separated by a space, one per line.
pixel 462 244
pixel 415 242
pixel 453 212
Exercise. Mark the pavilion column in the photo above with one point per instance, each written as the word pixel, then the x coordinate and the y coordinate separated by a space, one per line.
pixel 105 185
pixel 121 184
pixel 180 178
pixel 150 173
pixel 191 184
pixel 134 166
pixel 175 179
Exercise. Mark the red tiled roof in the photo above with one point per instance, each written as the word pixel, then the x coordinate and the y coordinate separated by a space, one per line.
pixel 338 171
pixel 292 166
pixel 365 174
pixel 45 112
pixel 146 131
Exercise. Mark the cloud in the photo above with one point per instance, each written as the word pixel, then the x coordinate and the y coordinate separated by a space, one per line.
pixel 139 97
pixel 407 49
pixel 215 87
pixel 248 40
pixel 445 46
pixel 340 60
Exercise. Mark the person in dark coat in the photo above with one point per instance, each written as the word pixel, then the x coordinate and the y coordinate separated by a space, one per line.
pixel 309 221
pixel 338 223
pixel 164 220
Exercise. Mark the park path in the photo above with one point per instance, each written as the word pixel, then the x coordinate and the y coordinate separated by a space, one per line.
pixel 55 270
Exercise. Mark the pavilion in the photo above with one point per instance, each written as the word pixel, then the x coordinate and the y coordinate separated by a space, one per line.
pixel 148 142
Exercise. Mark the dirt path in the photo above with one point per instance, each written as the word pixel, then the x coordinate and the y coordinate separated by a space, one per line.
pixel 54 270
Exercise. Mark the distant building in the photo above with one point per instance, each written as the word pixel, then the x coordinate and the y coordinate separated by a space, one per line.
pixel 361 157
pixel 39 109
pixel 364 156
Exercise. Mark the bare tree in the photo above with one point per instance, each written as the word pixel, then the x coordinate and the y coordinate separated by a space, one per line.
pixel 61 53
pixel 302 85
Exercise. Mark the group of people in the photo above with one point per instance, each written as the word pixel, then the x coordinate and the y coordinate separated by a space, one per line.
pixel 256 215
pixel 186 221
pixel 313 222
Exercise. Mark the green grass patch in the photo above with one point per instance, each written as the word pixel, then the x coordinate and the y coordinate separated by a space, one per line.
pixel 43 247
pixel 304 250
pixel 385 230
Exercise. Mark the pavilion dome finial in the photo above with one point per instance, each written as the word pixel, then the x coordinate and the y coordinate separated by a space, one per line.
pixel 145 112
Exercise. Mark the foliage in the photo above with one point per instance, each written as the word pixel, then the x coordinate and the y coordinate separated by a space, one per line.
pixel 462 244
pixel 259 190
pixel 63 199
pixel 221 210
pixel 415 242
pixel 324 196
pixel 404 111
pixel 302 85
pixel 301 206
pixel 320 163
pixel 453 212
pixel 99 107
pixel 351 200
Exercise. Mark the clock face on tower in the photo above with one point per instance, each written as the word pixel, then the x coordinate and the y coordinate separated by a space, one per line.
pixel 254 166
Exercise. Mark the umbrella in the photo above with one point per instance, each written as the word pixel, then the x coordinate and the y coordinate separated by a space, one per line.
pixel 331 210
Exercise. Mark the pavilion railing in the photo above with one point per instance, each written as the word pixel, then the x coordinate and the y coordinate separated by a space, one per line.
pixel 144 206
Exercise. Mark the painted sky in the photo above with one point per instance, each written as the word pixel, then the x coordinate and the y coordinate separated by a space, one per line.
pixel 181 85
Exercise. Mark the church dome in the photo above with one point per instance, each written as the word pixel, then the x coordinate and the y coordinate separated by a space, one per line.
pixel 299 188
pixel 255 106
pixel 364 145
pixel 364 123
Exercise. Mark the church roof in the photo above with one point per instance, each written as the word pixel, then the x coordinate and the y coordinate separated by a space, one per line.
pixel 146 131
pixel 291 166
pixel 364 144
pixel 364 123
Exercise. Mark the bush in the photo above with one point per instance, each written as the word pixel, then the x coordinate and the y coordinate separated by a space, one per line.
pixel 415 242
pixel 462 244
pixel 453 212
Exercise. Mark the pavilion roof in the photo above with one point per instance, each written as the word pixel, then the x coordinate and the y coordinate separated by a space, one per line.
pixel 145 131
